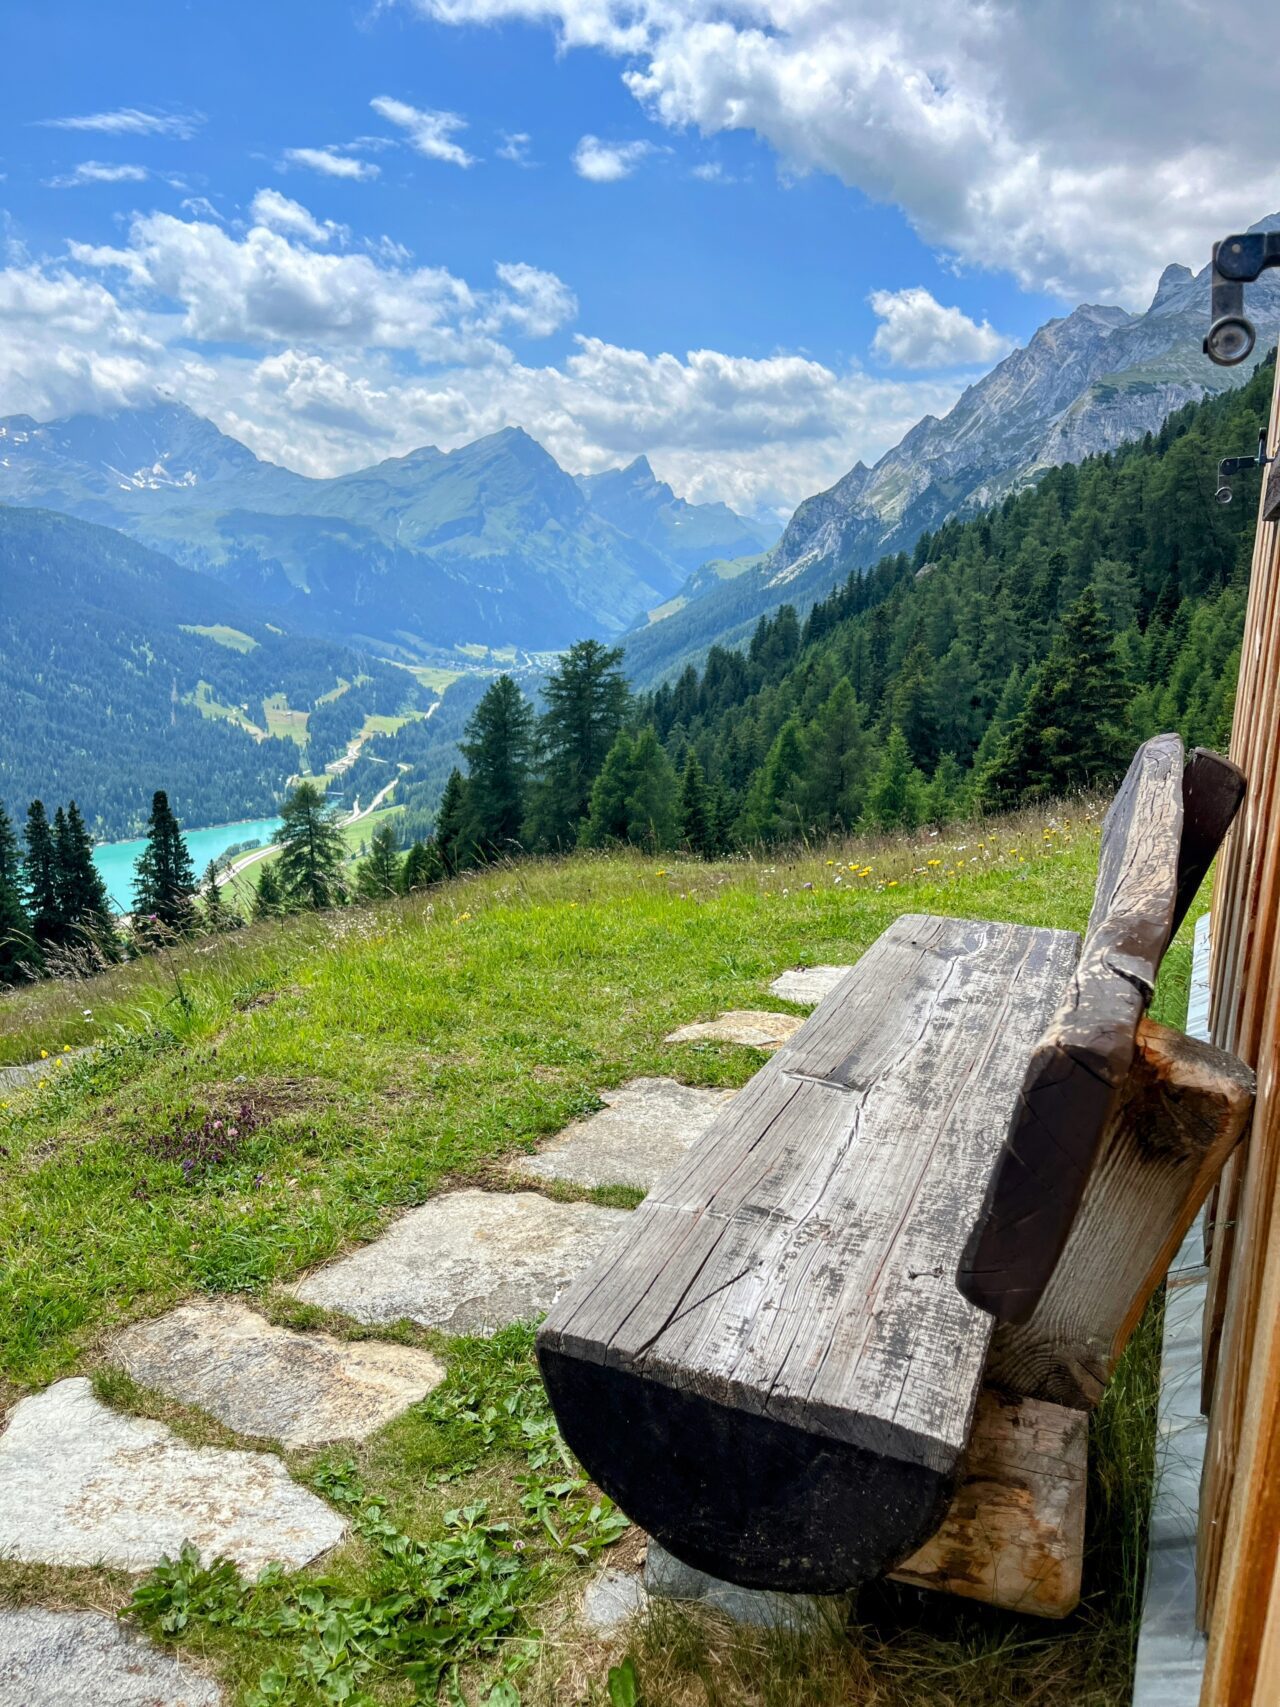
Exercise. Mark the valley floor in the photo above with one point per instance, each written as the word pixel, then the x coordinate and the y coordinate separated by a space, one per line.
pixel 369 1060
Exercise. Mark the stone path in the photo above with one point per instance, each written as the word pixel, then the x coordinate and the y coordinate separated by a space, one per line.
pixel 754 1027
pixel 87 1659
pixel 468 1262
pixel 82 1485
pixel 298 1388
pixel 807 985
pixel 643 1131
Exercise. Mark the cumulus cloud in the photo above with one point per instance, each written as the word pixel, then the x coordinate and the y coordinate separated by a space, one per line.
pixel 133 121
pixel 331 163
pixel 605 162
pixel 515 147
pixel 428 132
pixel 989 125
pixel 281 214
pixel 917 331
pixel 98 172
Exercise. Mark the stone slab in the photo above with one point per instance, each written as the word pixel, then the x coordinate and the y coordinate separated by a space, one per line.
pixel 641 1134
pixel 298 1388
pixel 468 1262
pixel 808 985
pixel 666 1578
pixel 82 1485
pixel 86 1659
pixel 754 1027
pixel 612 1598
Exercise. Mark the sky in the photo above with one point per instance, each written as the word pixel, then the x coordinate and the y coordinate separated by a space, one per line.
pixel 755 240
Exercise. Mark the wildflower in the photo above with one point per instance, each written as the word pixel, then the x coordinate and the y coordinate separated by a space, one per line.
pixel 661 872
pixel 43 1085
pixel 66 1049
pixel 933 862
pixel 44 1054
pixel 892 883
pixel 831 862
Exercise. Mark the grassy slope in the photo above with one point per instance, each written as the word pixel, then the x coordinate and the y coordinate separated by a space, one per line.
pixel 396 1050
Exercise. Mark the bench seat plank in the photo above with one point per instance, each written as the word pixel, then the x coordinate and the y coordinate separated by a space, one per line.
pixel 790 1283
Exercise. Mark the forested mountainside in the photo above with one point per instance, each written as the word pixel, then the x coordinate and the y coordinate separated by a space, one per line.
pixel 1085 384
pixel 493 543
pixel 121 673
pixel 1023 651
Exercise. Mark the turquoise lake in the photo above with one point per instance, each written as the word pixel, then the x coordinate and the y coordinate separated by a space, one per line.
pixel 115 860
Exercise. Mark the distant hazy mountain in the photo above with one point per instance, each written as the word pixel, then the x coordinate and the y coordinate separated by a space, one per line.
pixel 1082 385
pixel 121 673
pixel 492 543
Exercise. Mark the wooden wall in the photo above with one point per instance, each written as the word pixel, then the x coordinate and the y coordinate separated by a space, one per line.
pixel 1239 1563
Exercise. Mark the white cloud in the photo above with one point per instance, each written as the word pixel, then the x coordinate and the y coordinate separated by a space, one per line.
pixel 133 121
pixel 535 302
pixel 606 162
pixel 990 125
pixel 917 331
pixel 712 172
pixel 279 213
pixel 429 132
pixel 515 147
pixel 331 163
pixel 98 172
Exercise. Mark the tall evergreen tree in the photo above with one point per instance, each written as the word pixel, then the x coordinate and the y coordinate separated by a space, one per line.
pixel 378 875
pixel 422 867
pixel 82 895
pixel 635 798
pixel 895 799
pixel 48 923
pixel 311 850
pixel 775 809
pixel 452 819
pixel 216 916
pixel 268 900
pixel 696 829
pixel 19 957
pixel 586 700
pixel 837 760
pixel 165 880
pixel 498 748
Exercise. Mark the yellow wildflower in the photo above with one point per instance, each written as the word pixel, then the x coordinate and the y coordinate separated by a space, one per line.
pixel 933 862
pixel 44 1054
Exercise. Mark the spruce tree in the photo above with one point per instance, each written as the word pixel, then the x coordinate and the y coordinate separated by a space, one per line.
pixel 215 912
pixel 19 956
pixel 311 850
pixel 422 867
pixel 652 804
pixel 696 831
pixel 268 900
pixel 775 807
pixel 837 761
pixel 452 818
pixel 48 925
pixel 378 876
pixel 895 798
pixel 165 879
pixel 497 746
pixel 606 823
pixel 586 701
pixel 82 895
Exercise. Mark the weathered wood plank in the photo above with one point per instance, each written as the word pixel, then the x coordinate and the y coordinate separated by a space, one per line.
pixel 796 1269
pixel 1183 1109
pixel 1212 790
pixel 1079 1066
pixel 1013 1535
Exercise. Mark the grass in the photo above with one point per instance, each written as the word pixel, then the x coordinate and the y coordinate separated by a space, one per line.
pixel 208 705
pixel 282 720
pixel 433 676
pixel 234 639
pixel 388 1052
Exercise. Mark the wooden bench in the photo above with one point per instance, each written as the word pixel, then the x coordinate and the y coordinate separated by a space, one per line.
pixel 968 1169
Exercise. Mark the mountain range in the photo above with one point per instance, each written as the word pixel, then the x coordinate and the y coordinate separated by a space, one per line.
pixel 491 544
pixel 1084 384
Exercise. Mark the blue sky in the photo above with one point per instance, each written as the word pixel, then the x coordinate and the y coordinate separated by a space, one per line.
pixel 292 215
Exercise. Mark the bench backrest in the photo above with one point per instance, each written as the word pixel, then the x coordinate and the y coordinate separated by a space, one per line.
pixel 1159 837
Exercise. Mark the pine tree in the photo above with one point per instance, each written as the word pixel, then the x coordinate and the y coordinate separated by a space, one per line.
pixel 775 805
pixel 586 700
pixel 422 867
pixel 837 757
pixel 165 881
pixel 48 925
pixel 82 895
pixel 311 850
pixel 497 746
pixel 895 798
pixel 268 900
pixel 452 818
pixel 19 957
pixel 696 831
pixel 378 876
pixel 1072 732
pixel 606 823
pixel 215 913
pixel 635 797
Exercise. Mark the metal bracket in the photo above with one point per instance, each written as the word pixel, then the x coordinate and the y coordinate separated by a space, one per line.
pixel 1233 465
pixel 1237 261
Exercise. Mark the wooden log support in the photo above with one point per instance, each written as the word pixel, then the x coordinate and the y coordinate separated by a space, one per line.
pixel 1013 1535
pixel 1184 1107
pixel 771 1370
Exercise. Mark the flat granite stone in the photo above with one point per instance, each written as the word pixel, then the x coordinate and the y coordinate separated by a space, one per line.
pixel 82 1485
pixel 86 1659
pixel 611 1598
pixel 468 1262
pixel 644 1131
pixel 808 984
pixel 666 1578
pixel 298 1388
pixel 754 1027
